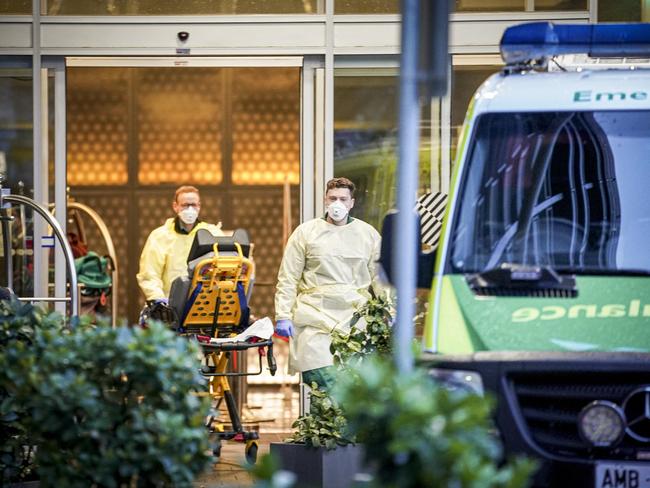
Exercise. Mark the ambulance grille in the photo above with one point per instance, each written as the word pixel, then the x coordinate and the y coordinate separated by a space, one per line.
pixel 493 291
pixel 550 404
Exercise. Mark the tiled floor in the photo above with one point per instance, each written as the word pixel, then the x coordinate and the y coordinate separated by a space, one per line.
pixel 271 409
pixel 230 471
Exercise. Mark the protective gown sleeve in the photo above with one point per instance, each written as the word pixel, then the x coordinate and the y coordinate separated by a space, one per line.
pixel 152 263
pixel 377 287
pixel 291 269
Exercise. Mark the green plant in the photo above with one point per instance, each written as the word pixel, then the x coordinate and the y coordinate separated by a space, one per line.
pixel 267 473
pixel 324 426
pixel 370 333
pixel 98 406
pixel 20 324
pixel 416 433
pixel 117 407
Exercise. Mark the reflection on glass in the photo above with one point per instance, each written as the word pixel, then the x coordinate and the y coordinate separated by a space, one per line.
pixel 15 7
pixel 16 140
pixel 465 82
pixel 16 155
pixel 561 5
pixel 589 215
pixel 186 7
pixel 490 5
pixel 623 11
pixel 365 142
pixel 366 6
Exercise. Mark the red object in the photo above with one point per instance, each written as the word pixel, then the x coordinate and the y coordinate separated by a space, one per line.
pixel 282 338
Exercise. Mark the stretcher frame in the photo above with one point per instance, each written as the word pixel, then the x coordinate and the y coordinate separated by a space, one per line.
pixel 215 310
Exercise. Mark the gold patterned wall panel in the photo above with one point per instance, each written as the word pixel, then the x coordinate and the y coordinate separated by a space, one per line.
pixel 179 126
pixel 260 212
pixel 153 210
pixel 266 126
pixel 97 126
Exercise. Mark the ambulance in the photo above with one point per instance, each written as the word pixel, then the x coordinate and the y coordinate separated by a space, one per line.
pixel 541 283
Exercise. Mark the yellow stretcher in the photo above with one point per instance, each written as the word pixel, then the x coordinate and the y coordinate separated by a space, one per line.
pixel 215 305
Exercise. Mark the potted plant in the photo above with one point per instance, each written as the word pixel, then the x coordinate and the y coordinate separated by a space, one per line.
pixel 322 452
pixel 109 407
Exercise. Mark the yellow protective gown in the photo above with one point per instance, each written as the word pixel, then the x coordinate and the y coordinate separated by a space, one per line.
pixel 324 278
pixel 164 257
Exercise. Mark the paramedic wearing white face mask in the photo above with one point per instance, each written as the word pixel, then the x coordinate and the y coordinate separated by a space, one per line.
pixel 164 257
pixel 326 273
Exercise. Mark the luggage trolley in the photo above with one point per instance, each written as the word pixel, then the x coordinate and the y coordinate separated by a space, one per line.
pixel 213 304
pixel 76 212
pixel 6 218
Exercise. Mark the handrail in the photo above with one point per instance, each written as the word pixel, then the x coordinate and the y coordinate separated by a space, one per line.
pixel 65 246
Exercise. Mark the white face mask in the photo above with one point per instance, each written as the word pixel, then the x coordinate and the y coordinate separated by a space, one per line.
pixel 188 215
pixel 337 211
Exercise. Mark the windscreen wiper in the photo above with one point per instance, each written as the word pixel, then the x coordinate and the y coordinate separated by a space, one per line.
pixel 522 277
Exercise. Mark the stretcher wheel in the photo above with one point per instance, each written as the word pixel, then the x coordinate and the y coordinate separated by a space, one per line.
pixel 251 452
pixel 216 452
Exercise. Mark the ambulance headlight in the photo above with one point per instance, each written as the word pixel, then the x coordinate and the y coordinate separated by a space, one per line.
pixel 602 423
pixel 458 380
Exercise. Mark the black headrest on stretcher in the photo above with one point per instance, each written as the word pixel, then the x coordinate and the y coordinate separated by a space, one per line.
pixel 204 242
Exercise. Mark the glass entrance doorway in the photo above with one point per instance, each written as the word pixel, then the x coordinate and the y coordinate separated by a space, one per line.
pixel 135 134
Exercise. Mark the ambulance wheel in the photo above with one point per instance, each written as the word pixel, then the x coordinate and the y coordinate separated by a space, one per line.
pixel 251 452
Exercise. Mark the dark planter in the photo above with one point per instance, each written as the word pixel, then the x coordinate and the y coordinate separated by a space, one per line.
pixel 319 467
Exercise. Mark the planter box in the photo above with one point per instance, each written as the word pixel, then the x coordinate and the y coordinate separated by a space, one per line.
pixel 319 467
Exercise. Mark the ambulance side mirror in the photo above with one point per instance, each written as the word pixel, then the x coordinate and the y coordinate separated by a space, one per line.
pixel 388 259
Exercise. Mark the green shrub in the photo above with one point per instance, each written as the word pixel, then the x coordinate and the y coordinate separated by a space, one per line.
pixel 372 335
pixel 105 407
pixel 324 426
pixel 418 434
pixel 117 408
pixel 19 351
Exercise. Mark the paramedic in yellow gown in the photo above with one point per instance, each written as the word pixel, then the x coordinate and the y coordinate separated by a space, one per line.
pixel 164 257
pixel 328 268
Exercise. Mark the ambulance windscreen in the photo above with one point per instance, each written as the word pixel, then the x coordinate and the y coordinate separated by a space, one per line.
pixel 569 190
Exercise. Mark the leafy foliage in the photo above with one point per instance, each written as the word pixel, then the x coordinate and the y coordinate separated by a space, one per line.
pixel 19 349
pixel 106 407
pixel 418 434
pixel 267 473
pixel 370 334
pixel 324 426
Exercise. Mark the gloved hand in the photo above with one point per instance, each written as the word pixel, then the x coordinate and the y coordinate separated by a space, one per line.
pixel 284 328
pixel 160 300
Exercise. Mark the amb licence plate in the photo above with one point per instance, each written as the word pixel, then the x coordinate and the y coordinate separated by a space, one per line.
pixel 622 475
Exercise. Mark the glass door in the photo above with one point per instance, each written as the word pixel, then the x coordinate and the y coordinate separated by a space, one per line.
pixel 138 129
pixel 32 144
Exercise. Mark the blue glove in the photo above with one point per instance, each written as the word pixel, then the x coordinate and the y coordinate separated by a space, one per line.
pixel 284 328
pixel 161 300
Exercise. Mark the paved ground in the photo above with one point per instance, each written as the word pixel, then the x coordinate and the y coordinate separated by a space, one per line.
pixel 229 471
